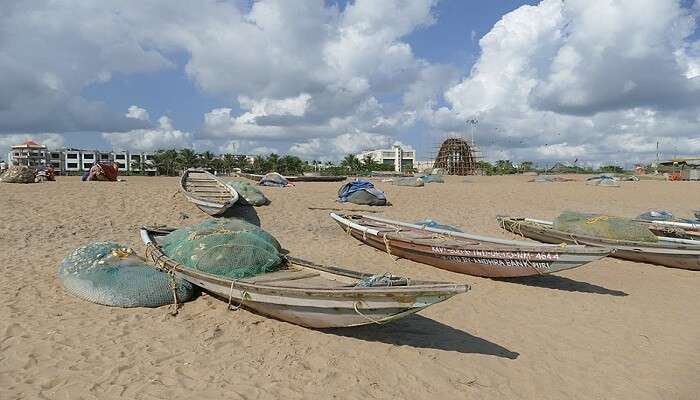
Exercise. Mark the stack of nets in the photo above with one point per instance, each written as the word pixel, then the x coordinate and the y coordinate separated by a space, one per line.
pixel 18 174
pixel 603 226
pixel 110 274
pixel 230 248
pixel 410 181
pixel 249 195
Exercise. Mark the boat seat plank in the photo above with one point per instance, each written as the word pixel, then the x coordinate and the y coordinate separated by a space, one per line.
pixel 282 275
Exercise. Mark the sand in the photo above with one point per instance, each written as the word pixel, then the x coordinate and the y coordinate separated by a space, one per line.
pixel 612 329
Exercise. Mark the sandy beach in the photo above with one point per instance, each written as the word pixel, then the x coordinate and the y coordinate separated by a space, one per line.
pixel 612 329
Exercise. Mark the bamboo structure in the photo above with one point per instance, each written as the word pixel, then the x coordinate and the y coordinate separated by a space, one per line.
pixel 457 157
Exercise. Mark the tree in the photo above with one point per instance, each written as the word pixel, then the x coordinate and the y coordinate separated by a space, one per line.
pixel 485 167
pixel 271 163
pixel 186 158
pixel 290 165
pixel 228 163
pixel 504 167
pixel 612 168
pixel 526 166
pixel 165 162
pixel 351 163
pixel 206 159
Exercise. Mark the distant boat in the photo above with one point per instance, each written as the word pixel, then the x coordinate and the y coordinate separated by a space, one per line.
pixel 669 252
pixel 466 253
pixel 312 295
pixel 300 178
pixel 207 192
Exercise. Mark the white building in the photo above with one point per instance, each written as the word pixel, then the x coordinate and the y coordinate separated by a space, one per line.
pixel 397 157
pixel 32 154
pixel 71 160
pixel 29 154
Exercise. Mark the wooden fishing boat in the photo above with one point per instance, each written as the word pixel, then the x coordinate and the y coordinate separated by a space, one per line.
pixel 466 253
pixel 207 192
pixel 670 252
pixel 311 295
pixel 300 178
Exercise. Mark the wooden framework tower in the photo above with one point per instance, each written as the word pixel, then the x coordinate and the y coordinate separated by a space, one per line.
pixel 457 157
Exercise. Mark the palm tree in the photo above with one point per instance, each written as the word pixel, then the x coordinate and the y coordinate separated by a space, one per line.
pixel 351 162
pixel 186 158
pixel 206 159
pixel 229 162
pixel 165 162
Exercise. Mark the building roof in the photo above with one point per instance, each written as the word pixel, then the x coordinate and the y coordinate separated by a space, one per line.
pixel 29 144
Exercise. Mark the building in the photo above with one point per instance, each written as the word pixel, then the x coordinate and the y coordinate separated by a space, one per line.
pixel 422 166
pixel 71 160
pixel 28 153
pixel 402 160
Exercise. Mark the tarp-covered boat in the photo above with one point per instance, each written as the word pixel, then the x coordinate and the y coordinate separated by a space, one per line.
pixel 207 192
pixel 312 295
pixel 670 252
pixel 463 252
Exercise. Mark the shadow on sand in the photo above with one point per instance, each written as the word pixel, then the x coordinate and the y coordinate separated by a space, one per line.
pixel 246 213
pixel 562 283
pixel 422 332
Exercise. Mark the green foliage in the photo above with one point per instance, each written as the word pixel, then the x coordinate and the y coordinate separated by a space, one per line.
pixel 612 169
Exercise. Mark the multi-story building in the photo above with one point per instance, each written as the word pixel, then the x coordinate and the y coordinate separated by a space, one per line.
pixel 71 160
pixel 402 160
pixel 28 153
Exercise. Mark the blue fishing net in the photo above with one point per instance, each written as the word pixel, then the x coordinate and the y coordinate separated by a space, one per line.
pixel 110 274
pixel 434 224
pixel 231 248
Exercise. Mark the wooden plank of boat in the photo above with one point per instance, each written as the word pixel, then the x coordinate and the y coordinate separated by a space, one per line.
pixel 209 193
pixel 669 252
pixel 465 253
pixel 309 294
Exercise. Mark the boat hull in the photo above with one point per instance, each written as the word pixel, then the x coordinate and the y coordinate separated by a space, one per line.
pixel 475 258
pixel 312 307
pixel 684 257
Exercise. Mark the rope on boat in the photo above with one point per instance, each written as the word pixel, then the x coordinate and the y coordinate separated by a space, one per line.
pixel 163 266
pixel 230 298
pixel 368 318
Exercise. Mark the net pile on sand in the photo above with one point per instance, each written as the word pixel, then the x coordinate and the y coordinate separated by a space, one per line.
pixel 603 226
pixel 110 274
pixel 18 174
pixel 230 248
pixel 249 194
pixel 409 181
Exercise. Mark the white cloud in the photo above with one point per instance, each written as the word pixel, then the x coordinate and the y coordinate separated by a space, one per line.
pixel 600 80
pixel 336 148
pixel 163 136
pixel 137 112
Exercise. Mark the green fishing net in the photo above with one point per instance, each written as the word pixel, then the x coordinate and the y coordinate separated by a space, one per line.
pixel 603 226
pixel 248 194
pixel 230 248
pixel 109 273
pixel 409 181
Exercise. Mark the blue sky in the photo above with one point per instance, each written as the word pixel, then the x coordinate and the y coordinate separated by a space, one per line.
pixel 595 80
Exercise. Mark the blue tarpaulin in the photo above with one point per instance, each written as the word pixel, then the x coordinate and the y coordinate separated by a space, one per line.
pixel 355 186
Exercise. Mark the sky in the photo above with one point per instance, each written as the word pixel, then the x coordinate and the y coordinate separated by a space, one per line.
pixel 595 81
